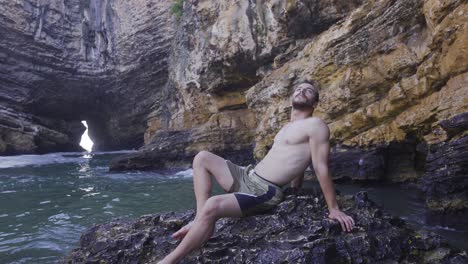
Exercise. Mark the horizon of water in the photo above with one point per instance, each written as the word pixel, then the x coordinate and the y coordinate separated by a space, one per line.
pixel 47 201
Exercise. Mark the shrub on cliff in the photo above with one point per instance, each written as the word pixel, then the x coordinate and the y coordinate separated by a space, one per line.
pixel 177 8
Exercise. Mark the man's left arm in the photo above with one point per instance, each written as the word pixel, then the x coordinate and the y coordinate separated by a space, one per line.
pixel 320 149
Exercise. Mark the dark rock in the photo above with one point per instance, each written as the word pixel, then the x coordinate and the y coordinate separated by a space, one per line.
pixel 393 162
pixel 296 231
pixel 169 149
pixel 357 164
pixel 76 60
pixel 445 182
pixel 455 125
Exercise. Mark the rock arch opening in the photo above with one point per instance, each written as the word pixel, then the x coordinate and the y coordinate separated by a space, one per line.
pixel 86 141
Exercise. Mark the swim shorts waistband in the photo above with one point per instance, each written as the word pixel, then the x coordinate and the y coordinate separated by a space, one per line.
pixel 263 179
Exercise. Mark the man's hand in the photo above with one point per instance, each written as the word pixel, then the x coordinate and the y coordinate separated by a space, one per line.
pixel 346 221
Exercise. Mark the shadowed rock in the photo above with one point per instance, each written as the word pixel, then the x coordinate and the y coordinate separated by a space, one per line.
pixel 296 231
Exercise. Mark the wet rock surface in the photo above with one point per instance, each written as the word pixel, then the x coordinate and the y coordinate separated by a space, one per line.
pixel 296 231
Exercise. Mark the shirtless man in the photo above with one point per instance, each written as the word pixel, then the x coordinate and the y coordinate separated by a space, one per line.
pixel 255 190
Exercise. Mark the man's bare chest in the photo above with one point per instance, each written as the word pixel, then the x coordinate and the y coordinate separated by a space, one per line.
pixel 291 134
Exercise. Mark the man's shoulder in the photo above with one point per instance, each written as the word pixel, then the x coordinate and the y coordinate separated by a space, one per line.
pixel 317 123
pixel 316 126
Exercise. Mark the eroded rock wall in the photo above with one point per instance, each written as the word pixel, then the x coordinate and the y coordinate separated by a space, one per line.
pixel 392 73
pixel 67 60
pixel 220 50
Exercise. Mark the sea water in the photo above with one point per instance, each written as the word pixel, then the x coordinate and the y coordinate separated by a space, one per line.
pixel 48 201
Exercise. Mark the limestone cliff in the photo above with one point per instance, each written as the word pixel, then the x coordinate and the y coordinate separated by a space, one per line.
pixel 220 50
pixel 393 77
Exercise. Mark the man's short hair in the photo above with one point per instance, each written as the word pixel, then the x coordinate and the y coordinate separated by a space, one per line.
pixel 314 84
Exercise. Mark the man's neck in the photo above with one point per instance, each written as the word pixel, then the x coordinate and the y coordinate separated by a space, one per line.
pixel 299 114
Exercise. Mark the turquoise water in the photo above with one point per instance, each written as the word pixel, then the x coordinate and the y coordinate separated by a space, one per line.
pixel 47 201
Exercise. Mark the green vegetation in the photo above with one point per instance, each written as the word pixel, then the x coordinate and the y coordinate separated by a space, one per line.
pixel 260 30
pixel 177 8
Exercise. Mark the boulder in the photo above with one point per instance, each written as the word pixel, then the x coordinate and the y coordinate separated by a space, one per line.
pixel 296 231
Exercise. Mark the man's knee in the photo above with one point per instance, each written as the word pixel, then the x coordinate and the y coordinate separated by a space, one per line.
pixel 211 208
pixel 201 158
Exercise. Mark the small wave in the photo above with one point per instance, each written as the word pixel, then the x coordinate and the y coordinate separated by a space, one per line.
pixel 22 214
pixel 44 202
pixel 58 217
pixel 8 192
pixel 87 189
pixel 185 173
pixel 37 160
pixel 51 158
pixel 91 194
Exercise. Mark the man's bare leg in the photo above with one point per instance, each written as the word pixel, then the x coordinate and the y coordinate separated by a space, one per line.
pixel 205 165
pixel 225 205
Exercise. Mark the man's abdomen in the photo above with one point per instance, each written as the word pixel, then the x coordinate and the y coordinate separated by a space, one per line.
pixel 284 163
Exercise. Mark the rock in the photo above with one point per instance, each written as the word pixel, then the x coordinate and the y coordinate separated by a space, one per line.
pixel 170 149
pixel 456 125
pixel 223 48
pixel 445 182
pixel 67 61
pixel 385 89
pixel 296 231
pixel 23 133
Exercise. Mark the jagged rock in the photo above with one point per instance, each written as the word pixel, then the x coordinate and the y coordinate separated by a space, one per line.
pixel 446 182
pixel 72 60
pixel 23 133
pixel 393 162
pixel 385 74
pixel 296 231
pixel 170 149
pixel 221 49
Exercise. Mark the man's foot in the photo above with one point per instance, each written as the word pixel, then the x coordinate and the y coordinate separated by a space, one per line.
pixel 182 232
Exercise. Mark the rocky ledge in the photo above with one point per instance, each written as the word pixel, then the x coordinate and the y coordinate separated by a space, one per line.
pixel 296 231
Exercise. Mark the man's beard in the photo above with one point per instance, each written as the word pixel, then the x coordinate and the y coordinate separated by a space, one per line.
pixel 307 105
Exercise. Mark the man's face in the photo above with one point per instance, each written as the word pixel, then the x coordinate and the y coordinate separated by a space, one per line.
pixel 303 97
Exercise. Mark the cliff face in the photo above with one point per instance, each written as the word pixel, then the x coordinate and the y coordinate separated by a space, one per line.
pixel 220 50
pixel 393 77
pixel 63 61
pixel 394 89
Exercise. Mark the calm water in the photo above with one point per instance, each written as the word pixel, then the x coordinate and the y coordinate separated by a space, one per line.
pixel 47 201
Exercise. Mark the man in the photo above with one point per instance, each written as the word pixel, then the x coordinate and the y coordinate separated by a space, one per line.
pixel 256 190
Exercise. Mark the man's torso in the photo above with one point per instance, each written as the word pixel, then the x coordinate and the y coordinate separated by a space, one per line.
pixel 290 154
